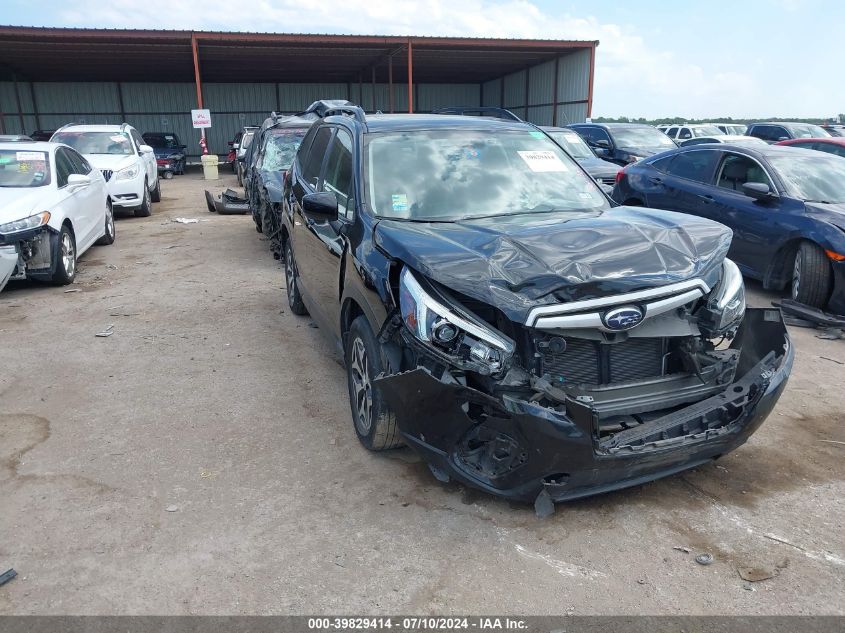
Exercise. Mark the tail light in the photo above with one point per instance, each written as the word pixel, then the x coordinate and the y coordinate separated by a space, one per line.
pixel 620 175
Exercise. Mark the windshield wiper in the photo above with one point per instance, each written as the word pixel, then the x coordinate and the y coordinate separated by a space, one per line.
pixel 820 201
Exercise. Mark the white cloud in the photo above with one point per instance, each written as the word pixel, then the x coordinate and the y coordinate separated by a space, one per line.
pixel 633 77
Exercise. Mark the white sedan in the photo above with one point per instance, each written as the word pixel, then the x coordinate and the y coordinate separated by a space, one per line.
pixel 53 208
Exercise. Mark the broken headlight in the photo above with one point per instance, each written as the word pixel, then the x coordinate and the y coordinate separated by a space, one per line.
pixel 25 224
pixel 472 345
pixel 726 306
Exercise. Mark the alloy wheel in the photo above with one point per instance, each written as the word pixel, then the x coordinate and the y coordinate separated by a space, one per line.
pixel 796 274
pixel 109 222
pixel 68 254
pixel 359 368
pixel 290 276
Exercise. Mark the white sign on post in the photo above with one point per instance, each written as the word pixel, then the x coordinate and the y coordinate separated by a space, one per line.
pixel 201 119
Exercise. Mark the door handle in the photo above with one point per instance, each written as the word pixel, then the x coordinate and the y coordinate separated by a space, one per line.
pixel 655 180
pixel 707 199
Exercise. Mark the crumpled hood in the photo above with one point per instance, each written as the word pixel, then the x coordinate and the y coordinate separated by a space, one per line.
pixel 115 162
pixel 21 202
pixel 518 262
pixel 274 184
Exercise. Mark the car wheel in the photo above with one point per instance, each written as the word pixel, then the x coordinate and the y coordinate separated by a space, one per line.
pixel 811 276
pixel 168 175
pixel 108 236
pixel 292 283
pixel 146 207
pixel 375 423
pixel 156 193
pixel 65 257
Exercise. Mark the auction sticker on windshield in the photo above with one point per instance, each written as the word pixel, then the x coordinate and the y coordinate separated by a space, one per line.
pixel 542 161
pixel 22 156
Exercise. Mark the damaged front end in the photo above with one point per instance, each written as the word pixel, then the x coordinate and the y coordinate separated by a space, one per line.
pixel 582 397
pixel 32 252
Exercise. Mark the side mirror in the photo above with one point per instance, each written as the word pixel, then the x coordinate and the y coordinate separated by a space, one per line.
pixel 78 180
pixel 146 149
pixel 758 191
pixel 603 144
pixel 783 138
pixel 236 145
pixel 320 207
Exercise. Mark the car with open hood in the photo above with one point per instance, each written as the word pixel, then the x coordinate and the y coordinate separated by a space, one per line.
pixel 623 143
pixel 53 207
pixel 500 316
pixel 126 162
pixel 785 205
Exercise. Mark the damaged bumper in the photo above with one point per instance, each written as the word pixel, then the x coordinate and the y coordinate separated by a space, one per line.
pixel 28 255
pixel 227 203
pixel 8 263
pixel 518 448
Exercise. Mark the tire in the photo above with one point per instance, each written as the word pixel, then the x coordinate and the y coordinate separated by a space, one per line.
pixel 65 258
pixel 374 422
pixel 156 193
pixel 168 175
pixel 811 276
pixel 109 236
pixel 291 276
pixel 146 208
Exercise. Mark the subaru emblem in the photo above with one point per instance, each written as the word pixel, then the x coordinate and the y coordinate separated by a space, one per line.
pixel 623 318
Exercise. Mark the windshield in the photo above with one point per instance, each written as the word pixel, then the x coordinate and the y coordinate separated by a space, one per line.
pixel 25 168
pixel 572 143
pixel 641 137
pixel 162 141
pixel 807 130
pixel 813 178
pixel 707 130
pixel 96 142
pixel 280 149
pixel 449 175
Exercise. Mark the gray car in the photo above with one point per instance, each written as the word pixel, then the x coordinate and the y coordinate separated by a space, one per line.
pixel 603 171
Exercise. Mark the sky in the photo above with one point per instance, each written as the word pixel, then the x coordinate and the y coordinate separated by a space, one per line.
pixel 693 59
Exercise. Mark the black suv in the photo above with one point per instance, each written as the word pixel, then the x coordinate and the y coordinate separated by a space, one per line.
pixel 500 317
pixel 772 132
pixel 623 143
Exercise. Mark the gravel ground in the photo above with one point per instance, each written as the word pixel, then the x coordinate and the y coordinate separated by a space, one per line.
pixel 202 461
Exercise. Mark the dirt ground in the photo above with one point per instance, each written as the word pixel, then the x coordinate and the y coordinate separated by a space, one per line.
pixel 202 461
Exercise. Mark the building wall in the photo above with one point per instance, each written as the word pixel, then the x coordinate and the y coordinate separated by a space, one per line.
pixel 166 106
pixel 529 93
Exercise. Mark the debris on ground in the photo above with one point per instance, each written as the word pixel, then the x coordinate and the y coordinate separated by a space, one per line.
pixel 185 220
pixel 73 290
pixel 755 574
pixel 172 508
pixel 107 332
pixel 543 505
pixel 832 360
pixel 832 442
pixel 704 559
pixel 227 203
pixel 795 310
pixel 7 576
pixel 681 548
pixel 831 334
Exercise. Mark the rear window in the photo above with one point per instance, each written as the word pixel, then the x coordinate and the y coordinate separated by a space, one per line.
pixel 24 168
pixel 166 141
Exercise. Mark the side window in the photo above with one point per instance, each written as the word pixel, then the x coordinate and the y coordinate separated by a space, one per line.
pixel 736 170
pixel 685 133
pixel 601 135
pixel 662 164
pixel 64 168
pixel 672 132
pixel 302 154
pixel 779 133
pixel 760 131
pixel 138 140
pixel 338 176
pixel 697 165
pixel 80 165
pixel 311 170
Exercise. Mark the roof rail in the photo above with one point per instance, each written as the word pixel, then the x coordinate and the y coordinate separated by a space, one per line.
pixel 349 110
pixel 71 124
pixel 499 113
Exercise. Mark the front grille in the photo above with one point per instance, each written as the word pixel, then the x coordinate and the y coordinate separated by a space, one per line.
pixel 107 174
pixel 609 181
pixel 594 363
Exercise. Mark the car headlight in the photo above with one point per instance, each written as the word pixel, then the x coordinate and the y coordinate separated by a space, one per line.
pixel 728 300
pixel 26 224
pixel 128 173
pixel 471 344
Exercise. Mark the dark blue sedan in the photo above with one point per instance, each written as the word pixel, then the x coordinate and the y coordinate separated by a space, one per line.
pixel 786 207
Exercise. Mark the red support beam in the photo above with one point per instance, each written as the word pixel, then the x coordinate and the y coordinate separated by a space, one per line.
pixel 197 80
pixel 410 77
pixel 592 74
pixel 554 91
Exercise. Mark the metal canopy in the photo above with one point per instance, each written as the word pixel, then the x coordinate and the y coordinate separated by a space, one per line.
pixel 50 54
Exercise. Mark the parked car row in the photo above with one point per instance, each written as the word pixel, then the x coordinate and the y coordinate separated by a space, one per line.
pixel 500 315
pixel 58 197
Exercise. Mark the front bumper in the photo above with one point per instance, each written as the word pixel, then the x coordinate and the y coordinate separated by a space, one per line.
pixel 127 194
pixel 8 263
pixel 518 449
